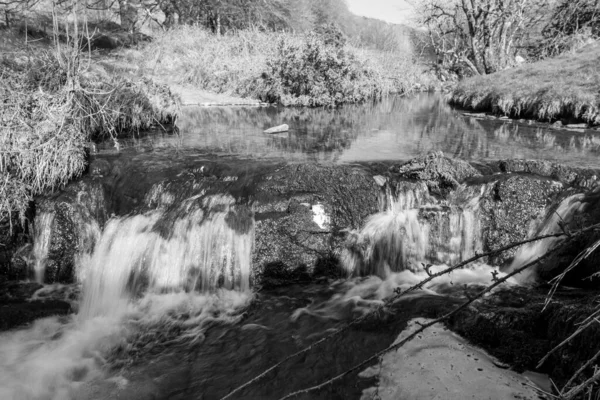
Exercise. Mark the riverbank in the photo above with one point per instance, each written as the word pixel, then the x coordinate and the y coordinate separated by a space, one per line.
pixel 563 89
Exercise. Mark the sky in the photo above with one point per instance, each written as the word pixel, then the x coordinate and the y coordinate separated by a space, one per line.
pixel 395 11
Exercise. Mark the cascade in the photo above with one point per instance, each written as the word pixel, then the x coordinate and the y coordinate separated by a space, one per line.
pixel 413 228
pixel 204 247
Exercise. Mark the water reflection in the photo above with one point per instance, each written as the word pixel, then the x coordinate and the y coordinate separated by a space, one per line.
pixel 395 129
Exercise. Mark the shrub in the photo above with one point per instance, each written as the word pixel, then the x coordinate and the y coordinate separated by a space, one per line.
pixel 317 70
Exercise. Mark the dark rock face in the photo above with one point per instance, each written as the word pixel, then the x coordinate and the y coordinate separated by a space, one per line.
pixel 17 308
pixel 14 250
pixel 572 176
pixel 587 272
pixel 79 204
pixel 513 325
pixel 511 208
pixel 288 205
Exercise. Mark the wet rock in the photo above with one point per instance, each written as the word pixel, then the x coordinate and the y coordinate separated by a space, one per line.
pixel 587 272
pixel 303 211
pixel 78 212
pixel 441 174
pixel 512 208
pixel 17 307
pixel 13 248
pixel 513 325
pixel 572 176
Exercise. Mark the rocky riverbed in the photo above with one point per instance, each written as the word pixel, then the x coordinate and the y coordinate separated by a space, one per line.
pixel 313 224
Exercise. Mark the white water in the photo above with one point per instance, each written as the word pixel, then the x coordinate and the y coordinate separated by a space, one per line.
pixel 199 251
pixel 360 295
pixel 413 230
pixel 550 225
pixel 42 230
pixel 144 271
pixel 55 358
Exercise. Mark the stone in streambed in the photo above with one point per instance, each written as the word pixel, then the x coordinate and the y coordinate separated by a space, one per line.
pixel 437 364
pixel 441 174
pixel 278 129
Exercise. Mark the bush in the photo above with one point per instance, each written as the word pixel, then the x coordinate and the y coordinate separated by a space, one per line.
pixel 317 70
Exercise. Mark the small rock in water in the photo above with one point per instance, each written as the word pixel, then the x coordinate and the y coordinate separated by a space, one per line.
pixel 576 126
pixel 278 129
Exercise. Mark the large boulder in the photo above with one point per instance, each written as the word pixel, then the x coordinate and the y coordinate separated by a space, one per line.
pixel 302 215
pixel 512 208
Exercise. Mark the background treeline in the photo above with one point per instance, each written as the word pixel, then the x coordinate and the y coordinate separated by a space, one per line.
pixel 477 37
pixel 217 16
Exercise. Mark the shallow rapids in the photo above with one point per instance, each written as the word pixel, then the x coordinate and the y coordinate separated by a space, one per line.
pixel 166 309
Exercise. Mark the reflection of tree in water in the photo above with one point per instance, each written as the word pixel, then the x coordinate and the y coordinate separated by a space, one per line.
pixel 402 127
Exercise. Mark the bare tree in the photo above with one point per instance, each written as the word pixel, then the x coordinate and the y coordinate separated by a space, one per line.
pixel 478 36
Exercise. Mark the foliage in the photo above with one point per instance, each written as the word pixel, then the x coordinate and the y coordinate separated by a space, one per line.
pixel 572 23
pixel 317 71
pixel 566 87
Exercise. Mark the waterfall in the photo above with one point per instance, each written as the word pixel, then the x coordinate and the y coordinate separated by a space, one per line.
pixel 550 225
pixel 414 229
pixel 206 246
pixel 139 276
pixel 42 229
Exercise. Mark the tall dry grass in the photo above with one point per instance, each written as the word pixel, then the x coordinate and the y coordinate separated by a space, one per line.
pixel 52 109
pixel 192 55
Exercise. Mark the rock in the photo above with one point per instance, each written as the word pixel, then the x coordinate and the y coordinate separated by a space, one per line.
pixel 78 213
pixel 519 60
pixel 442 174
pixel 576 126
pixel 586 274
pixel 511 208
pixel 289 230
pixel 514 325
pixel 278 129
pixel 579 177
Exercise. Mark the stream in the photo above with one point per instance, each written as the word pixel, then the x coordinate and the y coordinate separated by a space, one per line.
pixel 192 262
